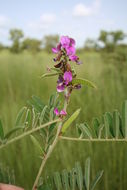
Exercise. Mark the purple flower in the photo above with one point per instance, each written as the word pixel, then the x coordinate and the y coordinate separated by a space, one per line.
pixel 65 41
pixel 70 50
pixel 73 58
pixel 72 42
pixel 67 77
pixel 63 112
pixel 60 79
pixel 57 49
pixel 56 111
pixel 60 88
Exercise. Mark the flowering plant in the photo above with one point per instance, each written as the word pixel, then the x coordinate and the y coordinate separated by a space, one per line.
pixel 50 122
pixel 39 117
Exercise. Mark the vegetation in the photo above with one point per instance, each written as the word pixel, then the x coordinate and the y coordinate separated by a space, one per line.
pixel 14 93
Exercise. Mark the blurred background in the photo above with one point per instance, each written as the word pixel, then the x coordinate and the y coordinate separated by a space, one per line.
pixel 28 31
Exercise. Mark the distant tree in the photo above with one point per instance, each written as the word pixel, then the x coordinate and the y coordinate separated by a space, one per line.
pixel 32 45
pixel 117 36
pixel 16 35
pixel 111 39
pixel 50 41
pixel 90 44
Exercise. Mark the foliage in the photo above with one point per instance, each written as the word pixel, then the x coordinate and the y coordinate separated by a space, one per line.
pixel 50 41
pixel 111 39
pixel 15 92
pixel 74 179
pixel 32 45
pixel 66 180
pixel 15 36
pixel 111 126
pixel 6 175
pixel 34 115
pixel 90 44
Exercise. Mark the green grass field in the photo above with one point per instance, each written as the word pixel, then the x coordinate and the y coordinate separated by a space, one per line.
pixel 20 79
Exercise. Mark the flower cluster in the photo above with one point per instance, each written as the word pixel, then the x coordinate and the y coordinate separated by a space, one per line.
pixel 61 113
pixel 67 44
pixel 65 53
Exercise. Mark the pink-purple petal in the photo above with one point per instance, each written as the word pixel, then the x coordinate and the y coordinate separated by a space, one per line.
pixel 70 50
pixel 65 41
pixel 73 57
pixel 63 112
pixel 56 111
pixel 67 77
pixel 60 88
pixel 72 42
pixel 55 50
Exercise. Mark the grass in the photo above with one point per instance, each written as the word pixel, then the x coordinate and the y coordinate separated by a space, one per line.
pixel 20 79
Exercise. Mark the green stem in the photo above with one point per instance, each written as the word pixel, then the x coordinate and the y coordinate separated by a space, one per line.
pixel 51 148
pixel 92 140
pixel 28 133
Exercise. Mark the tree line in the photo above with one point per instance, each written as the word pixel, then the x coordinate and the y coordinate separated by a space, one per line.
pixel 106 41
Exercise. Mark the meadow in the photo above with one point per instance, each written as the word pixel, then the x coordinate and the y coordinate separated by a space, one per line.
pixel 20 79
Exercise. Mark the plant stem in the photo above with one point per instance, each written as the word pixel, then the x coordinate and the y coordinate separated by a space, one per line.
pixel 51 148
pixel 92 140
pixel 28 133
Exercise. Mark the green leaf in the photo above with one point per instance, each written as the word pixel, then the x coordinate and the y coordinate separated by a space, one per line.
pixel 27 120
pixel 79 175
pixel 116 123
pixel 109 119
pixel 97 178
pixel 106 127
pixel 43 113
pixel 50 74
pixel 96 125
pixel 20 116
pixel 65 180
pixel 70 120
pixel 121 126
pixel 1 130
pixel 36 143
pixel 57 180
pixel 87 173
pixel 7 135
pixel 83 82
pixel 100 130
pixel 33 117
pixel 73 179
pixel 38 101
pixel 124 118
pixel 85 130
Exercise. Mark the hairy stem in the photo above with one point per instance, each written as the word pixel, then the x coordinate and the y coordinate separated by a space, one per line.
pixel 28 133
pixel 92 140
pixel 51 148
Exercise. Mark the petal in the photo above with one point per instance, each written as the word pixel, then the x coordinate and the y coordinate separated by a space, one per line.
pixel 67 77
pixel 56 111
pixel 65 41
pixel 55 50
pixel 63 112
pixel 70 50
pixel 60 88
pixel 73 57
pixel 72 41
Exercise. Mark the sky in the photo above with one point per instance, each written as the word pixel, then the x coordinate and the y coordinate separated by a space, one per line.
pixel 80 19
